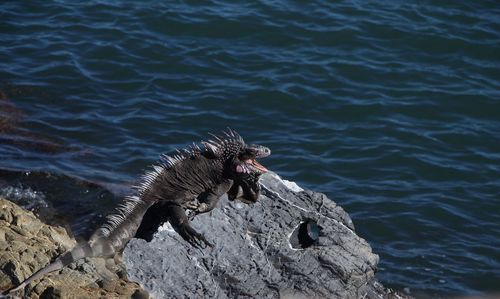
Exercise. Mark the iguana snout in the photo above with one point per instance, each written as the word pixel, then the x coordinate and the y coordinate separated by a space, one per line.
pixel 248 156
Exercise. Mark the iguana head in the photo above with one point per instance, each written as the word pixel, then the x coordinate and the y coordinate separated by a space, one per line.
pixel 247 159
pixel 239 159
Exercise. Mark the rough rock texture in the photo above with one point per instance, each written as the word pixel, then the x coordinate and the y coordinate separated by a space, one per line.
pixel 293 243
pixel 27 244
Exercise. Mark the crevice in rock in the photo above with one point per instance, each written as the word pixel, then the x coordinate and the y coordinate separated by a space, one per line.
pixel 272 194
pixel 305 234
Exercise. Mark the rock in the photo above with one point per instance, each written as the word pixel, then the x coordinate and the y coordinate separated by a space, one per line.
pixel 27 245
pixel 293 243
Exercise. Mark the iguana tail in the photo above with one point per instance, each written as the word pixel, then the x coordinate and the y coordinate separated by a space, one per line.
pixel 78 252
pixel 106 241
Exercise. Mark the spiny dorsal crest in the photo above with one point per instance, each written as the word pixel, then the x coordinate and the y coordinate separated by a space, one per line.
pixel 130 204
pixel 224 147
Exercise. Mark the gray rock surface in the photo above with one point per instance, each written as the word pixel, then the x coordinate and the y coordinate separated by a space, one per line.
pixel 293 243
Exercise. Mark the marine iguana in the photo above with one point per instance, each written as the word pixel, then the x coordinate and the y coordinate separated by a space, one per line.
pixel 226 164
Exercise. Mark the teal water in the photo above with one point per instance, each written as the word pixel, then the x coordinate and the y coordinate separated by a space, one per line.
pixel 392 109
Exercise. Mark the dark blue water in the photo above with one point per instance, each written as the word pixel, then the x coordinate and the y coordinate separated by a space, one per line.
pixel 392 109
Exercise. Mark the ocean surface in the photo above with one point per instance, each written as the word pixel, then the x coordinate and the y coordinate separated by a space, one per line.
pixel 390 108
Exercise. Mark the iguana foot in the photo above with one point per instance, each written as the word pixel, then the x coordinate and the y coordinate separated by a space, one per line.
pixel 194 238
pixel 202 208
pixel 193 209
pixel 196 209
pixel 192 205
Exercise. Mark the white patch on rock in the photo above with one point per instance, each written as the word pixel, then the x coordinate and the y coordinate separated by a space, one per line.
pixel 292 186
pixel 289 184
pixel 239 205
pixel 289 237
pixel 166 226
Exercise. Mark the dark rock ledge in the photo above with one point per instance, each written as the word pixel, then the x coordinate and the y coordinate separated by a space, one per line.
pixel 293 243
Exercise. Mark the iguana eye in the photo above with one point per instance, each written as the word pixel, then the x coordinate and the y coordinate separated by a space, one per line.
pixel 246 155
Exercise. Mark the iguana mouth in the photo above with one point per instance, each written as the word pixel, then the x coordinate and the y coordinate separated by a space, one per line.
pixel 253 163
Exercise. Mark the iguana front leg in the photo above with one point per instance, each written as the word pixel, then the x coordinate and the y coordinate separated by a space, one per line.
pixel 209 199
pixel 250 188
